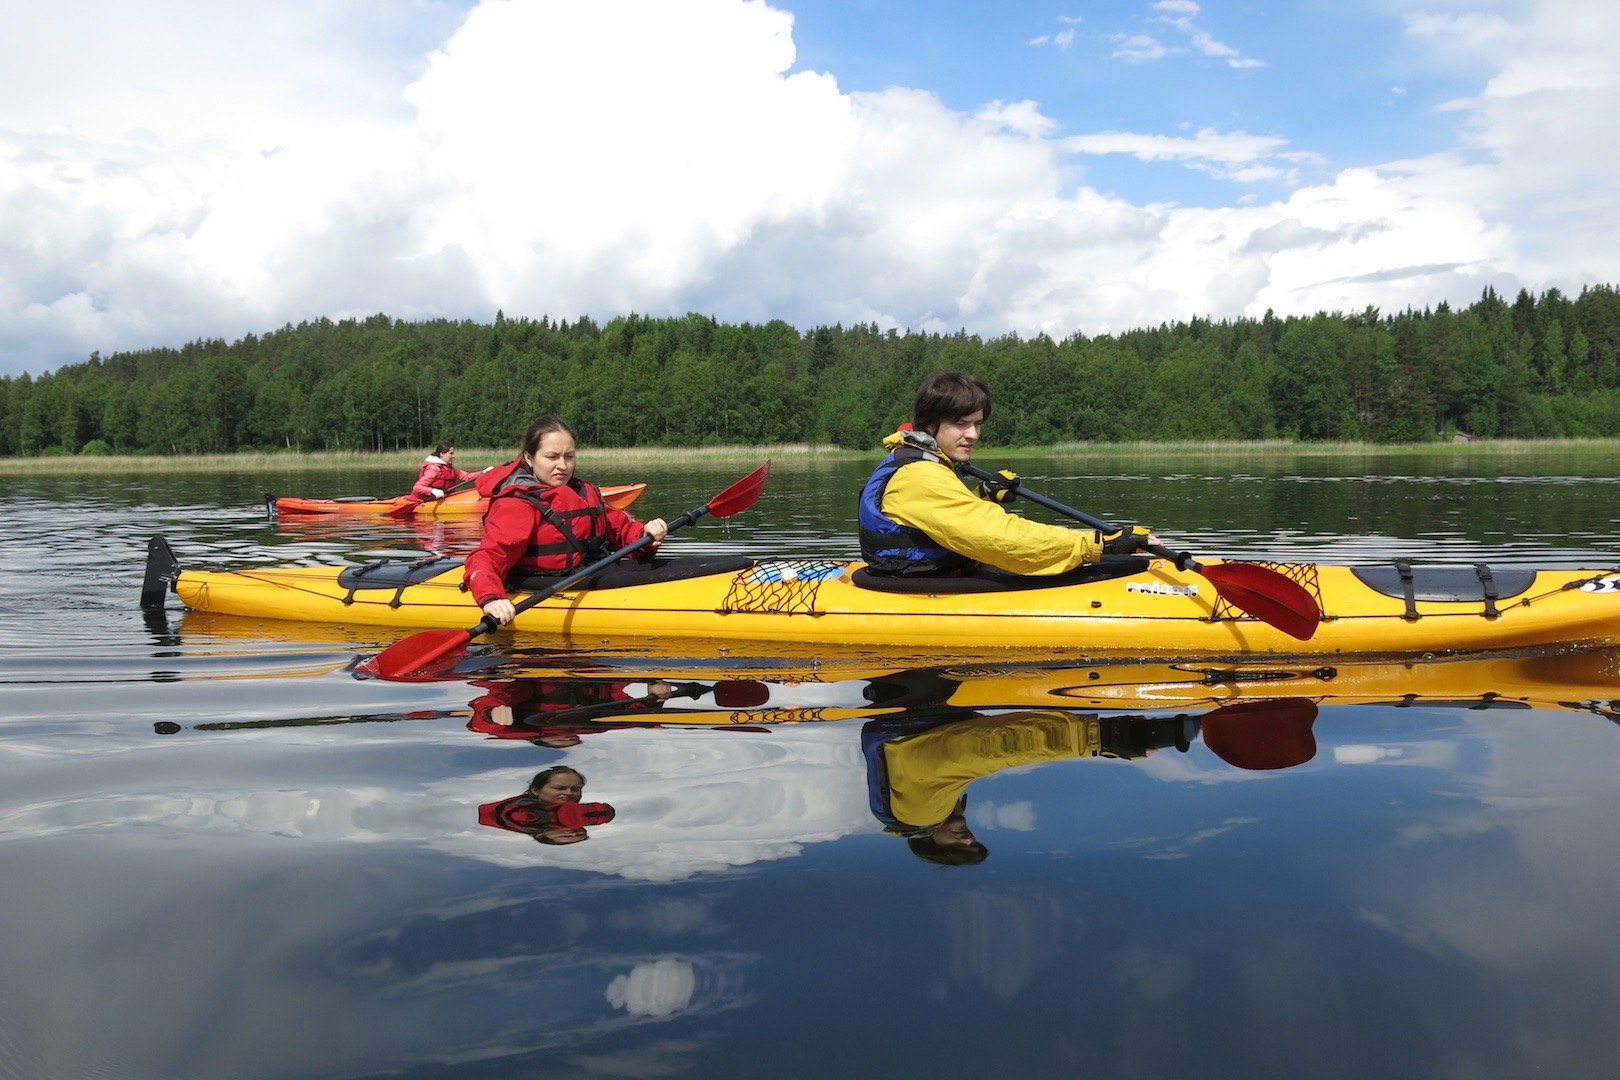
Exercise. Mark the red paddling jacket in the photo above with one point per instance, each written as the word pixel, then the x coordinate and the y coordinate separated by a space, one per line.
pixel 533 529
pixel 437 474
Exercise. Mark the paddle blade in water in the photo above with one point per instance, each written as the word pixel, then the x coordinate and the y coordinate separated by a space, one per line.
pixel 741 495
pixel 1267 595
pixel 415 653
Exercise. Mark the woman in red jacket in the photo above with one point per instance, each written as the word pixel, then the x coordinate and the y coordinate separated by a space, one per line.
pixel 439 473
pixel 543 520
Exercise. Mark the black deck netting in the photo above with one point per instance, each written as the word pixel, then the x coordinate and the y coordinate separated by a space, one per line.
pixel 779 587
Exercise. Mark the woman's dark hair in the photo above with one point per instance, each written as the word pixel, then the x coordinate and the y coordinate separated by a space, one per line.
pixel 948 395
pixel 538 430
pixel 543 775
pixel 443 448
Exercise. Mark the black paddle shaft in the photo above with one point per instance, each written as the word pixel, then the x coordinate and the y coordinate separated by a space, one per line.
pixel 1181 559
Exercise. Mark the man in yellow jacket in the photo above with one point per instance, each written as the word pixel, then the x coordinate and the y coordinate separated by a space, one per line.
pixel 917 516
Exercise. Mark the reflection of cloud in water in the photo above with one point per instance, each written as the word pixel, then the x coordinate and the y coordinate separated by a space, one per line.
pixel 1016 817
pixel 687 802
pixel 1001 941
pixel 1427 754
pixel 1519 877
pixel 691 802
pixel 656 989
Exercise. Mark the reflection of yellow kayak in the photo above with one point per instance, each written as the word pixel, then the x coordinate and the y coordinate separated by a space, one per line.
pixel 1129 608
pixel 1587 680
pixel 456 504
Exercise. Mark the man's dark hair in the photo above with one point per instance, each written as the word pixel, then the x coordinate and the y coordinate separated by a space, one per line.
pixel 948 395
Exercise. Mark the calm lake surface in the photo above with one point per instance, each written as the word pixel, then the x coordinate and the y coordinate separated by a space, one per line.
pixel 224 855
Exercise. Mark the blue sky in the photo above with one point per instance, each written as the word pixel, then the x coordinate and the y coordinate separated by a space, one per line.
pixel 173 169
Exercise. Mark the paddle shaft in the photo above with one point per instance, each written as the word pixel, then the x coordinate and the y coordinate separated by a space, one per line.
pixel 1181 559
pixel 487 624
pixel 414 653
pixel 1269 596
pixel 410 508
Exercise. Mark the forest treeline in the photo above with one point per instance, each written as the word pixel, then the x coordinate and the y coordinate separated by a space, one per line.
pixel 1538 367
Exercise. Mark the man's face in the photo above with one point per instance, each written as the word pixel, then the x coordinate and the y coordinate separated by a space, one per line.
pixel 956 437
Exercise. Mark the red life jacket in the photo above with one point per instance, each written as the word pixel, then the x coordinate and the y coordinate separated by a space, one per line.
pixel 574 528
pixel 437 473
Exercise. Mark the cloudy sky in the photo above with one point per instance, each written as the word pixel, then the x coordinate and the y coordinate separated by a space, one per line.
pixel 175 169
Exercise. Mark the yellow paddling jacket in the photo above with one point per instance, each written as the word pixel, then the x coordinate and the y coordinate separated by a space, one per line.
pixel 929 496
pixel 916 778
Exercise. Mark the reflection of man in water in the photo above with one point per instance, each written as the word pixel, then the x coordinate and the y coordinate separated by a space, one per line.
pixel 918 771
pixel 550 810
pixel 556 712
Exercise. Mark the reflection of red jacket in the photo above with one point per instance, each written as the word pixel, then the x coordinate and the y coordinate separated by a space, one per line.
pixel 437 473
pixel 531 700
pixel 525 814
pixel 518 537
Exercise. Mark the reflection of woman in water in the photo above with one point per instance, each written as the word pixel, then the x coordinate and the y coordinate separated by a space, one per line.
pixel 556 713
pixel 550 810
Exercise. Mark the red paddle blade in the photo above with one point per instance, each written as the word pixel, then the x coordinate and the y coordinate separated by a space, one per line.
pixel 416 652
pixel 1271 597
pixel 741 495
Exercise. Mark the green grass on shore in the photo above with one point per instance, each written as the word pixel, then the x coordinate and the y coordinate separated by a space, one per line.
pixel 260 461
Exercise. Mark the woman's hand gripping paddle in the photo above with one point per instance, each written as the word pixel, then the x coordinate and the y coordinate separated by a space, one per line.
pixel 421 649
pixel 1273 598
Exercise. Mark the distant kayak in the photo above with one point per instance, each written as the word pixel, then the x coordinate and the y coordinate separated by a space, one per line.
pixel 457 504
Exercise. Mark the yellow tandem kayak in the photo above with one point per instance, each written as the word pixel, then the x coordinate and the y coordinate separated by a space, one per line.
pixel 1127 607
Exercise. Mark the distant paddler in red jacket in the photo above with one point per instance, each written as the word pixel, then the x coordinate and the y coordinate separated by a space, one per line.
pixel 544 520
pixel 439 473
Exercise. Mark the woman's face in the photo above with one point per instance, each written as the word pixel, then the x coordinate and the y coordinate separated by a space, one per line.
pixel 561 787
pixel 553 462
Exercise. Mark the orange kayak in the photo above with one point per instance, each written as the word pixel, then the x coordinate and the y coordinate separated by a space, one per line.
pixel 456 504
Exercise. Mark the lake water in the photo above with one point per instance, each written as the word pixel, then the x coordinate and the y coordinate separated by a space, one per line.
pixel 224 855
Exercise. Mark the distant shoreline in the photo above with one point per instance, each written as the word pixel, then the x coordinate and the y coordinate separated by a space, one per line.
pixel 260 461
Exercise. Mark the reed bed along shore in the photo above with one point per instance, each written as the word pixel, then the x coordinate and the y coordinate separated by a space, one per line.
pixel 790 453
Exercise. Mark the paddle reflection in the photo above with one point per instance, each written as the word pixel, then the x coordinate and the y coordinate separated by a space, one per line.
pixel 557 712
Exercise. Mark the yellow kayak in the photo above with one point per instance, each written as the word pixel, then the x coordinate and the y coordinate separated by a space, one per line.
pixel 1128 607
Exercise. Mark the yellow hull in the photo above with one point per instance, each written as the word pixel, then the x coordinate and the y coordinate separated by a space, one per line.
pixel 816 605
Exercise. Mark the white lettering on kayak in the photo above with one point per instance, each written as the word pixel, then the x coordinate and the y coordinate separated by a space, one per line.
pixel 1159 588
pixel 1608 584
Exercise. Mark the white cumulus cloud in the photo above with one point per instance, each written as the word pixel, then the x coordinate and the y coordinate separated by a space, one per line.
pixel 262 163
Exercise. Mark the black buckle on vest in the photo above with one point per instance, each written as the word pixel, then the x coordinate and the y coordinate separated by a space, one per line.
pixel 1408 586
pixel 1487 586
